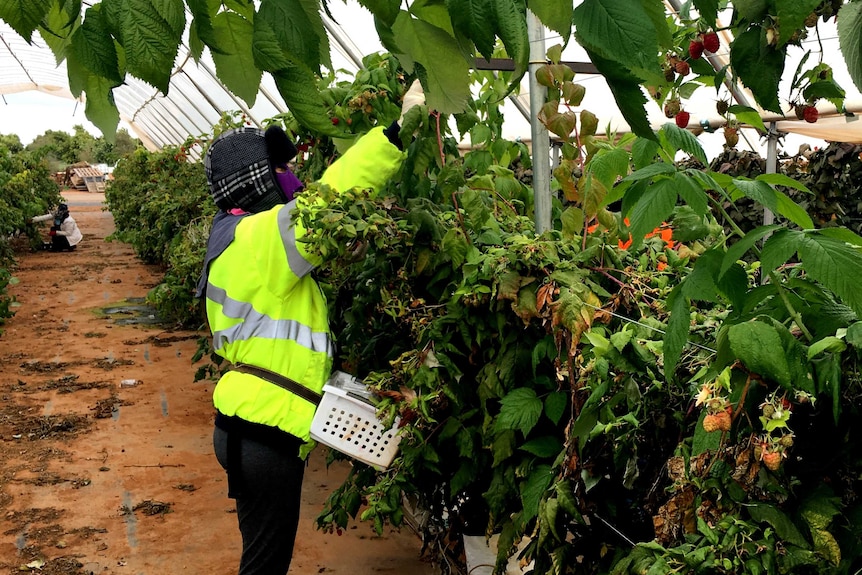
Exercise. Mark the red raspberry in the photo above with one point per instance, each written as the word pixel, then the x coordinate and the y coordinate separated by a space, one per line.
pixel 335 121
pixel 682 119
pixel 695 49
pixel 711 43
pixel 810 114
pixel 682 68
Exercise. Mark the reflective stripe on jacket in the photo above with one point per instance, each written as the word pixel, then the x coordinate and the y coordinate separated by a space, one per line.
pixel 265 309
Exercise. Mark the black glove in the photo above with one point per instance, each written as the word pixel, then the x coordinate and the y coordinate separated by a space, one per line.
pixel 279 147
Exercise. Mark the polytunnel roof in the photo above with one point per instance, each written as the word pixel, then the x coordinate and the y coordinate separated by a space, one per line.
pixel 196 99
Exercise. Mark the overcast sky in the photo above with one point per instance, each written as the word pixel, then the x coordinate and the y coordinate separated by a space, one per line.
pixel 31 114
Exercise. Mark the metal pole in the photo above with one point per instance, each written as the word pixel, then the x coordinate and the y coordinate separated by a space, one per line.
pixel 771 165
pixel 539 134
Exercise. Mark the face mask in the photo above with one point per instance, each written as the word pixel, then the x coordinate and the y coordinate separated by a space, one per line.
pixel 289 183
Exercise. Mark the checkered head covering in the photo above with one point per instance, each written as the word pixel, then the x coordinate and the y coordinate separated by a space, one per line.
pixel 241 173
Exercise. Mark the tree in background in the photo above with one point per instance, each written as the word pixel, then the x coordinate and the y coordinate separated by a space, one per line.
pixel 59 149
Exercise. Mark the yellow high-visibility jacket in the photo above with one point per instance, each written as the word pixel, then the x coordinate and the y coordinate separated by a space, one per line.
pixel 265 308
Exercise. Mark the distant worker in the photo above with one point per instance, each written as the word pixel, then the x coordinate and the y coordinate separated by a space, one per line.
pixel 64 232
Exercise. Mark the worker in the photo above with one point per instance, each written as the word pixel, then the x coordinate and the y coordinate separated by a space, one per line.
pixel 269 318
pixel 64 231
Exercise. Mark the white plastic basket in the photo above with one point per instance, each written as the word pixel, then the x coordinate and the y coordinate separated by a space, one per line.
pixel 347 422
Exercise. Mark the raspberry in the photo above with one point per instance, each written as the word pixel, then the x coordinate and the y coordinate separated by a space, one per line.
pixel 721 107
pixel 710 423
pixel 682 68
pixel 717 421
pixel 810 114
pixel 335 121
pixel 711 43
pixel 695 49
pixel 682 119
pixel 671 107
pixel 772 460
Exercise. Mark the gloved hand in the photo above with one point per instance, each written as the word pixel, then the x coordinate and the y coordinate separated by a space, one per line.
pixel 415 96
pixel 52 233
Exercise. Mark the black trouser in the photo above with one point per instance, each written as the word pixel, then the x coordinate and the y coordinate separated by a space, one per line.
pixel 265 478
pixel 60 243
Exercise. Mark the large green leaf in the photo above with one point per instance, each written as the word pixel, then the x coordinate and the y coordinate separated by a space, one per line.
pixel 519 409
pixel 758 346
pixel 235 66
pixel 692 193
pixel 474 19
pixel 778 249
pixel 835 264
pixel 554 14
pixel 150 32
pixel 681 139
pixel 708 10
pixel 24 15
pixel 100 107
pixel 534 489
pixel 737 250
pixel 384 10
pixel 759 66
pixel 782 180
pixel 619 30
pixel 294 31
pixel 676 334
pixel 298 87
pixel 511 24
pixel 850 39
pixel 653 208
pixel 447 75
pixel 608 165
pixel 94 47
pixel 778 202
pixel 627 93
pixel 202 14
pixel 784 527
pixel 59 25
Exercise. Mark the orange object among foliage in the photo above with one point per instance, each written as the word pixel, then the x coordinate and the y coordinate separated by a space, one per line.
pixel 664 231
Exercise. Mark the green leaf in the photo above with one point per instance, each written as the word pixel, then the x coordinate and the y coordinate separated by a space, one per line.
pixel 547 446
pixel 608 165
pixel 782 180
pixel 534 489
pixel 150 33
pixel 703 440
pixel 778 249
pixel 520 409
pixel 850 39
pixel 554 14
pixel 759 347
pixel 201 26
pixel 384 10
pixel 94 47
pixel 748 116
pixel 24 15
pixel 652 209
pixel 58 27
pixel 296 35
pixel 784 527
pixel 692 193
pixel 235 65
pixel 555 405
pixel 776 201
pixel 708 10
pixel 792 17
pixel 627 93
pixel 621 31
pixel 676 335
pixel 682 139
pixel 511 23
pixel 834 264
pixel 298 87
pixel 475 20
pixel 448 86
pixel 759 66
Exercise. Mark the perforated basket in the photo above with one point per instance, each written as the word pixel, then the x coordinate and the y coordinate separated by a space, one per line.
pixel 349 424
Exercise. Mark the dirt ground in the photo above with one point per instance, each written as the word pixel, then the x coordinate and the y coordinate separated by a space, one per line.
pixel 99 477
